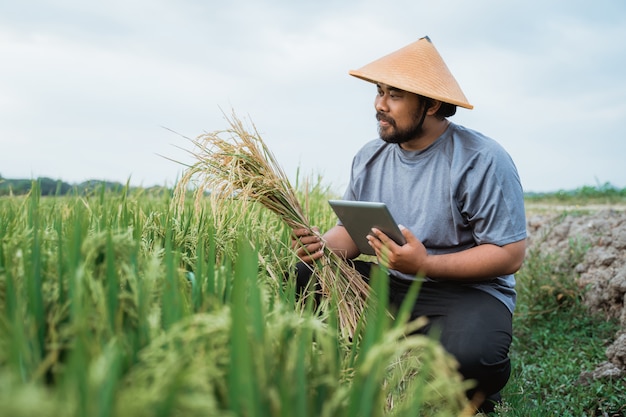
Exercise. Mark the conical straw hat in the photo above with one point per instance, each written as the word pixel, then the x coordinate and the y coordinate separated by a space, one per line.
pixel 417 68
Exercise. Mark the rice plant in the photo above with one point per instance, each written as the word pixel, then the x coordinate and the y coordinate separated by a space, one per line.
pixel 115 304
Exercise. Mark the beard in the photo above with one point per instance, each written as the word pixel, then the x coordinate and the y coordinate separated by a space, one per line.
pixel 392 134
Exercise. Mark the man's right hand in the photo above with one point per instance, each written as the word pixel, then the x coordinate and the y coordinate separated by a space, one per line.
pixel 307 244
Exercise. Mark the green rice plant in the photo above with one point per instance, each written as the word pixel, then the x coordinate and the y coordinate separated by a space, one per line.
pixel 314 195
pixel 254 358
pixel 150 312
pixel 33 273
pixel 400 374
pixel 21 399
pixel 16 353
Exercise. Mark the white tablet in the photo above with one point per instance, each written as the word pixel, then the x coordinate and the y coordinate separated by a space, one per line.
pixel 358 217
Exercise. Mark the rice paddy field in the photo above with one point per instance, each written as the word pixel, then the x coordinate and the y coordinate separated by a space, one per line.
pixel 128 303
pixel 120 303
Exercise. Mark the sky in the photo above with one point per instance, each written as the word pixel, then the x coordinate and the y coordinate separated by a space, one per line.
pixel 109 90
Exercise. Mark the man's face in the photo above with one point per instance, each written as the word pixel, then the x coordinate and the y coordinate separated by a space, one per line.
pixel 399 114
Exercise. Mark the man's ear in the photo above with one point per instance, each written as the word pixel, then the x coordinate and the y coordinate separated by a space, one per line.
pixel 434 107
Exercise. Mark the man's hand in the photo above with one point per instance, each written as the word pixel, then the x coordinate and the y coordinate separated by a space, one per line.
pixel 307 244
pixel 408 258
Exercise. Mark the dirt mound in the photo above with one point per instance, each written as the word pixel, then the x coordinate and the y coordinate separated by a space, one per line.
pixel 602 272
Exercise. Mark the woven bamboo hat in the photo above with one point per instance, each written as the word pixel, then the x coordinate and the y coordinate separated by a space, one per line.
pixel 417 68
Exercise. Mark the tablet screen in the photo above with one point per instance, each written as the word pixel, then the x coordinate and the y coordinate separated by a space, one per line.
pixel 359 217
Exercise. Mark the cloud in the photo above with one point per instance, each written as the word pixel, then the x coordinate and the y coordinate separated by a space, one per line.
pixel 86 88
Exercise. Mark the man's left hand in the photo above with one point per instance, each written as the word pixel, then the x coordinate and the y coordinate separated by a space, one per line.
pixel 408 258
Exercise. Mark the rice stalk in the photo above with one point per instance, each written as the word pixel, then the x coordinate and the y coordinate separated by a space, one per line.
pixel 236 164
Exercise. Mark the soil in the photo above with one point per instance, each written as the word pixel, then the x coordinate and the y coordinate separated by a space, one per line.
pixel 601 275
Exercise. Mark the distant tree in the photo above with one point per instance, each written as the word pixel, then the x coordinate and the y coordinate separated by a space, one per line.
pixel 47 186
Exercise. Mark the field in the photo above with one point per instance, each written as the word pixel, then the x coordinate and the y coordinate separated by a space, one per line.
pixel 568 318
pixel 120 303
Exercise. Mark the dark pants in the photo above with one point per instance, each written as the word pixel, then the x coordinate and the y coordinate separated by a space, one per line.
pixel 472 325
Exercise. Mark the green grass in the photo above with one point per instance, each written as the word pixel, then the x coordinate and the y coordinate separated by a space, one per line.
pixel 548 359
pixel 555 340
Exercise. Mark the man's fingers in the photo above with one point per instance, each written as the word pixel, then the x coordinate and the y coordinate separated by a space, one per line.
pixel 310 253
pixel 298 233
pixel 303 237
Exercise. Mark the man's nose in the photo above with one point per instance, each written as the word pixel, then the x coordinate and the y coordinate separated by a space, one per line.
pixel 380 104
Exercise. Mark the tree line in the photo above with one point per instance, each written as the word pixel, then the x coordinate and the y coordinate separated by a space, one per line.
pixel 52 187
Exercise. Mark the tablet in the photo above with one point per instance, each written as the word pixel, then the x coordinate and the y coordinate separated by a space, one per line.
pixel 358 217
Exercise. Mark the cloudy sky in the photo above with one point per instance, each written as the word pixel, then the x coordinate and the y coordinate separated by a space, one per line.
pixel 95 90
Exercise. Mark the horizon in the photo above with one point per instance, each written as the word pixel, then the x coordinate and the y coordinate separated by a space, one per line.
pixel 598 186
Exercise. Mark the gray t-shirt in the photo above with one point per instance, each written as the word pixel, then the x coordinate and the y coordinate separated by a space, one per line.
pixel 460 192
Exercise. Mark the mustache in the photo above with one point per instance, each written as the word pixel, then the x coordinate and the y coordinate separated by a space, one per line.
pixel 380 116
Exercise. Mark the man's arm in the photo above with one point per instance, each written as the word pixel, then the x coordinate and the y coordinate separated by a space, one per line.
pixel 481 262
pixel 478 263
pixel 337 239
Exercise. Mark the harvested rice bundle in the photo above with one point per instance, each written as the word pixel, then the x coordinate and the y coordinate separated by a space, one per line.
pixel 235 163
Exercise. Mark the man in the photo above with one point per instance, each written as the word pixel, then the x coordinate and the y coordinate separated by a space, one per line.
pixel 458 197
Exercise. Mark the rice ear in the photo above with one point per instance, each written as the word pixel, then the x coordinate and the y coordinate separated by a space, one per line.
pixel 236 163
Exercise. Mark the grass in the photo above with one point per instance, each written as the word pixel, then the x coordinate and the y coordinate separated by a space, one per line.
pixel 555 340
pixel 548 360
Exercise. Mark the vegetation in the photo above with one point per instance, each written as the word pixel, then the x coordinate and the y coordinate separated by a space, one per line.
pixel 116 304
pixel 555 340
pixel 236 164
pixel 49 186
pixel 600 194
pixel 113 303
